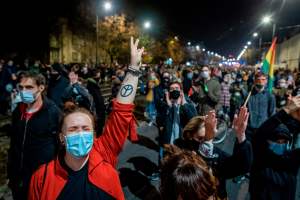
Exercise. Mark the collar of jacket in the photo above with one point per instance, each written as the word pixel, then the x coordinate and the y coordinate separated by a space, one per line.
pixel 94 160
pixel 100 173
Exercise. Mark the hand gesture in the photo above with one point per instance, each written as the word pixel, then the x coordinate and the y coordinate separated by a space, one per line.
pixel 292 105
pixel 239 124
pixel 168 98
pixel 182 98
pixel 210 125
pixel 136 54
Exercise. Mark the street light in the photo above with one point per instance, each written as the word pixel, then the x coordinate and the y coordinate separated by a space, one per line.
pixel 197 47
pixel 189 43
pixel 255 34
pixel 245 47
pixel 266 19
pixel 147 24
pixel 249 43
pixel 203 49
pixel 107 7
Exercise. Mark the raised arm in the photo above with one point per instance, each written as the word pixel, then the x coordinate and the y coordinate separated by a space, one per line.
pixel 121 120
pixel 128 88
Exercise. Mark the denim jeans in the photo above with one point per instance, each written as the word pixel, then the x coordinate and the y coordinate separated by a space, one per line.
pixel 151 111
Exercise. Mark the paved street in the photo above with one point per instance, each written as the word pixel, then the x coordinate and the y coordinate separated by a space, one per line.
pixel 139 160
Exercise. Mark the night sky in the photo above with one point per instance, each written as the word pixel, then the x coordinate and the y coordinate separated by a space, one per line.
pixel 224 26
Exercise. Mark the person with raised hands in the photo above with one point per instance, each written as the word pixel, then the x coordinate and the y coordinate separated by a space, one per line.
pixel 276 161
pixel 197 137
pixel 85 166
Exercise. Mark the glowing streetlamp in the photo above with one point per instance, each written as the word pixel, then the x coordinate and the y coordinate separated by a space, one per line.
pixel 107 6
pixel 147 24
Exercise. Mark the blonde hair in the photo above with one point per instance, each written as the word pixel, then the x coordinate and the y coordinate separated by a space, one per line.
pixel 193 126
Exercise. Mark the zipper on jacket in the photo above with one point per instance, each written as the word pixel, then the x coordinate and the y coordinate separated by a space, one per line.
pixel 23 145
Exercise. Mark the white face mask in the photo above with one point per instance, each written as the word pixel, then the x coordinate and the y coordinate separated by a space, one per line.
pixel 282 85
pixel 205 74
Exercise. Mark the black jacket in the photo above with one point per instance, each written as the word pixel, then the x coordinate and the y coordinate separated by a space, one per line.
pixel 95 91
pixel 186 112
pixel 56 89
pixel 224 166
pixel 273 176
pixel 33 142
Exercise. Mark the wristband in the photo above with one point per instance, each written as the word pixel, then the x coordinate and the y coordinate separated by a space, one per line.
pixel 134 72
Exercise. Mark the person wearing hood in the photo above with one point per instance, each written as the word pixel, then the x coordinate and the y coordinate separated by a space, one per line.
pixel 95 91
pixel 276 162
pixel 57 84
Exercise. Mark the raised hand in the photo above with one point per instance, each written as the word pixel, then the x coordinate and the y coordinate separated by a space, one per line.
pixel 292 105
pixel 210 125
pixel 136 53
pixel 239 124
pixel 168 98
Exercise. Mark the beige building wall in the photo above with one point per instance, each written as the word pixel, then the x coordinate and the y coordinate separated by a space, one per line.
pixel 71 47
pixel 288 53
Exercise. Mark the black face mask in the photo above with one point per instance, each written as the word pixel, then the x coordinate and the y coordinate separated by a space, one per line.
pixel 193 145
pixel 166 82
pixel 175 94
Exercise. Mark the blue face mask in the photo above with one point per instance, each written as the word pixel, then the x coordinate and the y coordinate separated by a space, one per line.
pixel 278 149
pixel 27 96
pixel 79 144
pixel 190 76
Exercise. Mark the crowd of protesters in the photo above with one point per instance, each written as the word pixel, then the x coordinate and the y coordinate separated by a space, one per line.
pixel 65 140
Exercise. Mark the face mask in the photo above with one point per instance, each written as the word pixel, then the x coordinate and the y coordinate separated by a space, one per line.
pixel 206 149
pixel 121 78
pixel 282 85
pixel 278 149
pixel 259 86
pixel 190 76
pixel 27 96
pixel 204 75
pixel 166 82
pixel 79 144
pixel 174 94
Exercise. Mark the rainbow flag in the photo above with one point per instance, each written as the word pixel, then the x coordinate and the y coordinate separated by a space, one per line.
pixel 268 65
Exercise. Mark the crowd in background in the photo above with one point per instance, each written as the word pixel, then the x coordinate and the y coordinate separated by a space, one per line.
pixel 185 104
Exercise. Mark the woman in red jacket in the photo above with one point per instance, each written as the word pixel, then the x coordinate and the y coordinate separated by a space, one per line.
pixel 86 167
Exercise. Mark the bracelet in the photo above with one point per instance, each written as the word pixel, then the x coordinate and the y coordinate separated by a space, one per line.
pixel 134 72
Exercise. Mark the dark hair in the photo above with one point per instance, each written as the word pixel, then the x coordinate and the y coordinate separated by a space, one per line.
pixel 185 175
pixel 39 79
pixel 259 74
pixel 176 82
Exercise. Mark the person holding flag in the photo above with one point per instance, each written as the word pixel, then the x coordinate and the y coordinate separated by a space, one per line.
pixel 261 102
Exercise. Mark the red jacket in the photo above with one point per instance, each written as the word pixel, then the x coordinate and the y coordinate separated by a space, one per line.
pixel 47 185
